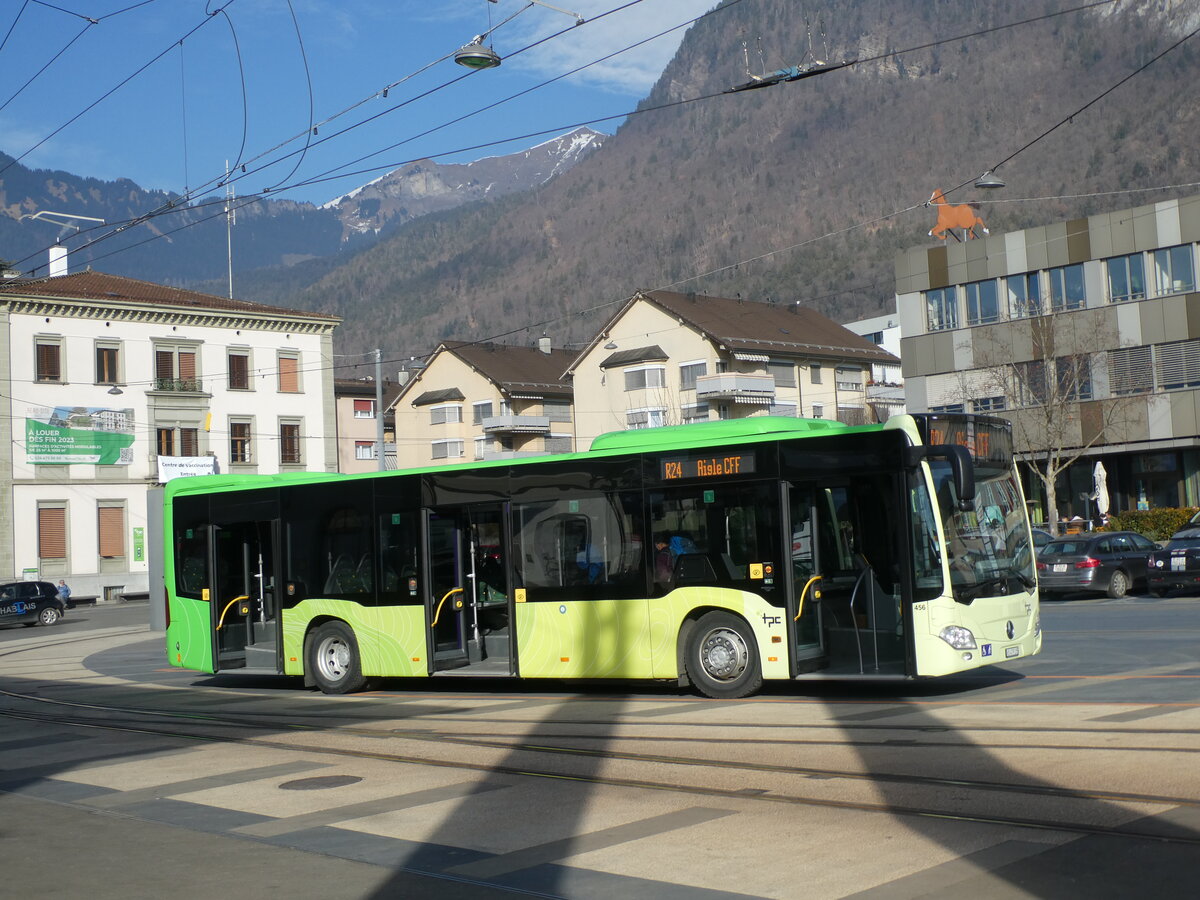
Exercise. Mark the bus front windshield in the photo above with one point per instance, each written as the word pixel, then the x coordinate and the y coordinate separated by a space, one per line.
pixel 988 545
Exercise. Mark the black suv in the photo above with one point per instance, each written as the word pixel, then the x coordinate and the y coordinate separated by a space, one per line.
pixel 30 603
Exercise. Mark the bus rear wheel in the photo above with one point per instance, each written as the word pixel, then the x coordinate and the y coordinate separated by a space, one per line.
pixel 722 657
pixel 333 659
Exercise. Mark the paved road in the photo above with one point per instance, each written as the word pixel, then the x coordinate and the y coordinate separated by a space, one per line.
pixel 477 790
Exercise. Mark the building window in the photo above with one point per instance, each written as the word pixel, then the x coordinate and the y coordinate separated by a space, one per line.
pixel 364 409
pixel 447 449
pixel 479 412
pixel 1066 287
pixel 947 408
pixel 239 370
pixel 239 442
pixel 875 337
pixel 108 357
pixel 48 360
pixel 52 531
pixel 111 530
pixel 783 372
pixel 988 404
pixel 557 410
pixel 1024 295
pixel 1030 382
pixel 983 302
pixel 1177 364
pixel 1130 371
pixel 818 411
pixel 1126 278
pixel 652 417
pixel 852 415
pixel 1074 377
pixel 365 450
pixel 645 377
pixel 289 373
pixel 1173 270
pixel 178 441
pixel 689 372
pixel 482 445
pixel 189 441
pixel 693 412
pixel 941 309
pixel 558 443
pixel 783 409
pixel 814 373
pixel 289 443
pixel 843 376
pixel 445 415
pixel 166 441
pixel 175 369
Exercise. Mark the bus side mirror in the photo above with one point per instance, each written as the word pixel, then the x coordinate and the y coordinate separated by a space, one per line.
pixel 961 467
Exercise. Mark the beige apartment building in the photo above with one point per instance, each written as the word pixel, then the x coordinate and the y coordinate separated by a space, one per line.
pixel 668 358
pixel 1117 295
pixel 482 401
pixel 356 411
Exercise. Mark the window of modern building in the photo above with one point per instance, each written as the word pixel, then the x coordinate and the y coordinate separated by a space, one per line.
pixel 364 450
pixel 1177 364
pixel 1174 272
pixel 1066 287
pixel 448 414
pixel 48 359
pixel 988 404
pixel 239 441
pixel 1024 295
pixel 290 444
pixel 479 412
pixel 111 529
pixel 1130 370
pixel 175 368
pixel 983 302
pixel 1074 377
pixel 947 408
pixel 643 377
pixel 1126 278
pixel 1030 382
pixel 239 370
pixel 447 449
pixel 693 412
pixel 108 359
pixel 52 530
pixel 289 373
pixel 783 371
pixel 650 417
pixel 941 309
pixel 875 337
pixel 689 372
pixel 364 409
pixel 557 410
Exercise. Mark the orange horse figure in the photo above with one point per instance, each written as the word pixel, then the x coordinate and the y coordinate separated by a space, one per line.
pixel 961 216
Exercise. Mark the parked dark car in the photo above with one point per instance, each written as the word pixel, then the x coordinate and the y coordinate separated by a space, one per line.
pixel 1109 562
pixel 1177 564
pixel 1040 539
pixel 30 603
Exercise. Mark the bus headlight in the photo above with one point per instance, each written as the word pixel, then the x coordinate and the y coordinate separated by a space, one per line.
pixel 958 637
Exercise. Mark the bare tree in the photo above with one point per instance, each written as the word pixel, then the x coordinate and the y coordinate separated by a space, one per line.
pixel 1048 374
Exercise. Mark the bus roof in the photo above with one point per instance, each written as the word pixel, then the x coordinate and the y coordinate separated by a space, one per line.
pixel 613 443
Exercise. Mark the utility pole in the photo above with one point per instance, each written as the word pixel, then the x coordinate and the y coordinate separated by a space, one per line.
pixel 230 221
pixel 379 409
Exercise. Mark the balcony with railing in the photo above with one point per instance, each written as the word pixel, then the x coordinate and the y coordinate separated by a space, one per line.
pixel 179 385
pixel 736 387
pixel 514 424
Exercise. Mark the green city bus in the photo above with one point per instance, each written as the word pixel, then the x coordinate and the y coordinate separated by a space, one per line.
pixel 713 554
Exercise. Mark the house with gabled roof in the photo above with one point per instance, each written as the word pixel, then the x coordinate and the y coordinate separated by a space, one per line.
pixel 668 358
pixel 481 400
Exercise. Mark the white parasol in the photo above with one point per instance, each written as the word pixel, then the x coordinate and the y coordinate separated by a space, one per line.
pixel 1100 484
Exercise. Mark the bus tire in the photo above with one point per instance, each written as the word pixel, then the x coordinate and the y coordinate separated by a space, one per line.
pixel 333 659
pixel 722 657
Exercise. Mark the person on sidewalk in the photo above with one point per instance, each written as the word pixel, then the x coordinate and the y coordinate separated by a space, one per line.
pixel 64 592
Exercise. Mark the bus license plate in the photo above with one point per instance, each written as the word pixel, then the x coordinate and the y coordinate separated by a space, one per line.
pixel 1010 652
pixel 1060 567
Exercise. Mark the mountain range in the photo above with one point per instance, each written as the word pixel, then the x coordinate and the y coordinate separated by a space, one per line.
pixel 803 191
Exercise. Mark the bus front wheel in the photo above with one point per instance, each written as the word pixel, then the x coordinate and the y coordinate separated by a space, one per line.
pixel 333 659
pixel 722 657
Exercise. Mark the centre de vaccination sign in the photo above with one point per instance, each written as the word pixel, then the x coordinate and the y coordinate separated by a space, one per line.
pixel 92 435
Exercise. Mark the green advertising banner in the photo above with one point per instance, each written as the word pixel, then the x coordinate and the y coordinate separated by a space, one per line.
pixel 92 435
pixel 139 544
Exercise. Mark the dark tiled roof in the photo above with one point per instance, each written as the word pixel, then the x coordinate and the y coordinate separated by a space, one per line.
pixel 517 370
pixel 636 355
pixel 354 387
pixel 750 327
pixel 438 396
pixel 101 287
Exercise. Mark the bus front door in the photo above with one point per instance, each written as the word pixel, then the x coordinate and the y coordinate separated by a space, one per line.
pixel 245 612
pixel 469 601
pixel 804 579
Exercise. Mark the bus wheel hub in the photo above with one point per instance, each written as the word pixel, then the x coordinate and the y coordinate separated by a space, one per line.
pixel 724 655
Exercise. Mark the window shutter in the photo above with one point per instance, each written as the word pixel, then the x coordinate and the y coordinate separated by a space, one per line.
pixel 52 533
pixel 239 371
pixel 364 409
pixel 1178 364
pixel 112 531
pixel 289 368
pixel 48 368
pixel 187 365
pixel 164 364
pixel 189 441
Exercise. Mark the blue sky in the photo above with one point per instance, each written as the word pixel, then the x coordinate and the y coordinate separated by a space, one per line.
pixel 176 123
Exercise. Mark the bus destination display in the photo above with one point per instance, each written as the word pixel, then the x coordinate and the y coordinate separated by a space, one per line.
pixel 717 466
